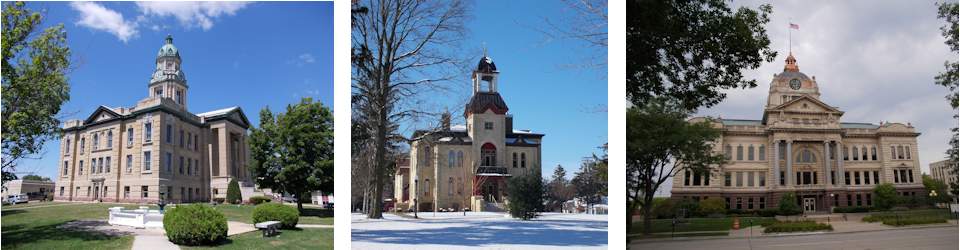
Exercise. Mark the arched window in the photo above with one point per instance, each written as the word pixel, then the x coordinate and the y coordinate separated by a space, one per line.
pixel 460 158
pixel 459 185
pixel 863 151
pixel 845 157
pixel 899 152
pixel 488 153
pixel 450 186
pixel 908 152
pixel 451 159
pixel 515 160
pixel 83 144
pixel 893 152
pixel 426 156
pixel 727 151
pixel 523 160
pixel 739 152
pixel 873 153
pixel 110 139
pixel 763 153
pixel 806 156
pixel 66 147
pixel 750 152
pixel 426 187
pixel 856 153
pixel 96 141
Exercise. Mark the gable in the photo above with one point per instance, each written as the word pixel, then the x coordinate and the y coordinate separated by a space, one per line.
pixel 805 104
pixel 101 114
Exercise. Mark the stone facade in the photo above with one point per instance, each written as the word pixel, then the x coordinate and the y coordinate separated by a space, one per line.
pixel 467 166
pixel 155 149
pixel 801 146
pixel 944 171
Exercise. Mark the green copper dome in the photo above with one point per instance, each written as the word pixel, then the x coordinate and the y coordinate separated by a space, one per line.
pixel 168 49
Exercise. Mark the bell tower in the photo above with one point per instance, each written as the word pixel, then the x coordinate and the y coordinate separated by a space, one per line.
pixel 168 80
pixel 485 76
pixel 791 84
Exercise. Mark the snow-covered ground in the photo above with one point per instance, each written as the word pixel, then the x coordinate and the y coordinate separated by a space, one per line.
pixel 479 230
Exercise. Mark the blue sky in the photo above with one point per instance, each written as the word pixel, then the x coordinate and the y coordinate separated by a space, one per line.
pixel 266 54
pixel 542 80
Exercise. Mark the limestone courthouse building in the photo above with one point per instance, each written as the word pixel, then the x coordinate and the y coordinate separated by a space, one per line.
pixel 467 166
pixel 800 146
pixel 156 149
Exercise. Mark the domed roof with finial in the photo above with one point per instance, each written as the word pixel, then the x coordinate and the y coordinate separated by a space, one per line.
pixel 486 65
pixel 168 49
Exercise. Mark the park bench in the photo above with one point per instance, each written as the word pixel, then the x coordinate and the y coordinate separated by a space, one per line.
pixel 268 228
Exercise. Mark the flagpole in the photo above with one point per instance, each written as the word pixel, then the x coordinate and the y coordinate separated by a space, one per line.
pixel 790 34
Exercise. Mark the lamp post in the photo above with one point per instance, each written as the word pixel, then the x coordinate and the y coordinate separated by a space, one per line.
pixel 416 194
pixel 933 196
pixel 833 199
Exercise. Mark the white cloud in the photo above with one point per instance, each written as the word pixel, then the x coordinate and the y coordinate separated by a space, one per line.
pixel 191 14
pixel 307 58
pixel 97 17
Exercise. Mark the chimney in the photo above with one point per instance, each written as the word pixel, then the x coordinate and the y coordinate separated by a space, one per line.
pixel 508 125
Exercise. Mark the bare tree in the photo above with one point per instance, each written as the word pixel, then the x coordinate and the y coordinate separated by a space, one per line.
pixel 401 48
pixel 587 24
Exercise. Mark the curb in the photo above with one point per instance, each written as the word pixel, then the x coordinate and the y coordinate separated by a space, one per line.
pixel 641 241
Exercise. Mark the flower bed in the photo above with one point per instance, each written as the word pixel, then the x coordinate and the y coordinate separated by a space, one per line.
pixel 796 226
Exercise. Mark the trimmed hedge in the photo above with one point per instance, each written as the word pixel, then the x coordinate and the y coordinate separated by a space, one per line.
pixel 796 226
pixel 851 209
pixel 195 224
pixel 769 212
pixel 288 216
pixel 219 200
pixel 256 200
pixel 913 221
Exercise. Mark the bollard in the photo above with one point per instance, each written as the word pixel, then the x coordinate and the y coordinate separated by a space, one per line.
pixel 736 223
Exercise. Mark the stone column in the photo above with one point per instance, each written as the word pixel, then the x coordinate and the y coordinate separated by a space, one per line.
pixel 789 157
pixel 776 162
pixel 826 162
pixel 840 164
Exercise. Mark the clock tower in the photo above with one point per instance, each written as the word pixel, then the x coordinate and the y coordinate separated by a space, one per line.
pixel 791 84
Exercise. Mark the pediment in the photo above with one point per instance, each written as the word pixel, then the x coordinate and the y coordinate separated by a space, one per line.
pixel 806 103
pixel 102 113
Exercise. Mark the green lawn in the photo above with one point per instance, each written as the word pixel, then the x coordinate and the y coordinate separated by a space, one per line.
pixel 244 213
pixel 36 228
pixel 287 239
pixel 701 224
pixel 33 204
pixel 910 217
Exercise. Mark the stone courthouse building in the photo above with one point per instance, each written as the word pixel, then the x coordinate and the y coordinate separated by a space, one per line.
pixel 155 149
pixel 800 146
pixel 467 166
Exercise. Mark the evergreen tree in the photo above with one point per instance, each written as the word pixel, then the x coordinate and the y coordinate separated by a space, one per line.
pixel 525 194
pixel 233 192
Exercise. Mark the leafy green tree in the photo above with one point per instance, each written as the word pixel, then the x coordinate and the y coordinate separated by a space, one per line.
pixel 885 196
pixel 233 192
pixel 691 51
pixel 525 194
pixel 712 205
pixel 931 184
pixel 292 152
pixel 34 84
pixel 33 177
pixel 951 31
pixel 788 204
pixel 660 144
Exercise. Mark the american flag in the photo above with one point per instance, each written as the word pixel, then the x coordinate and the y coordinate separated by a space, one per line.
pixel 794 26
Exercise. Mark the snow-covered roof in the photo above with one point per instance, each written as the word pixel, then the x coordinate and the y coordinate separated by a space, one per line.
pixel 458 127
pixel 218 112
pixel 523 131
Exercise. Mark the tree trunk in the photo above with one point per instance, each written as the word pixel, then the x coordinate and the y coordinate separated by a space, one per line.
pixel 647 207
pixel 380 145
pixel 300 204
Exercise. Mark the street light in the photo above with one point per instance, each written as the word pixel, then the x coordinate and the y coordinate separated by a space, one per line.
pixel 933 196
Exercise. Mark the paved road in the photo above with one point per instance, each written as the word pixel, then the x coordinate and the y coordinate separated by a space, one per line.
pixel 913 239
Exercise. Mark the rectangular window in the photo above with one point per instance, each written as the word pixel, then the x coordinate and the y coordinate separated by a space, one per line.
pixel 148 132
pixel 876 177
pixel 896 176
pixel 873 154
pixel 126 192
pixel 739 179
pixel 108 165
pixel 739 203
pixel 910 173
pixel 686 178
pixel 129 137
pixel 146 161
pixel 196 143
pixel 869 200
pixel 169 162
pixel 856 154
pixel 907 148
pixel 181 164
pixel 727 202
pixel 61 191
pixel 798 180
pixel 189 165
pixel 144 192
pixel 169 133
pixel 849 200
pixel 65 167
pixel 866 177
pixel 488 125
pixel 893 152
pixel 181 138
pixel 833 177
pixel 762 153
pixel 129 163
pixel 814 178
pixel 846 177
pixel 845 154
pixel 740 153
pixel 750 203
pixel 80 168
pixel 763 203
pixel 782 177
pixel 856 177
pixel 750 153
pixel 696 179
pixel 726 179
pixel 750 179
pixel 763 178
pixel 859 200
pixel 806 178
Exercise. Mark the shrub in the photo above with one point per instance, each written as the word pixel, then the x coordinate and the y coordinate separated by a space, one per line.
pixel 885 196
pixel 712 205
pixel 788 204
pixel 288 216
pixel 665 209
pixel 691 207
pixel 796 226
pixel 769 212
pixel 913 221
pixel 851 209
pixel 233 192
pixel 256 200
pixel 219 200
pixel 195 224
pixel 525 195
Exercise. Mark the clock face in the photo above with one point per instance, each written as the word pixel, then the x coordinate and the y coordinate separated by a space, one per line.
pixel 795 84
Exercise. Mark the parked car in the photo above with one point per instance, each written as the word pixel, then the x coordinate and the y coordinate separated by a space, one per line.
pixel 17 198
pixel 328 205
